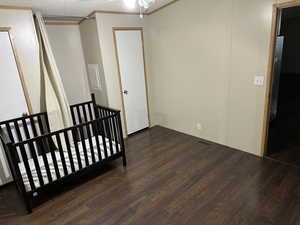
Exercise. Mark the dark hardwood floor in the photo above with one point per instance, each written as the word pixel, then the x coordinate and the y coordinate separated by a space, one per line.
pixel 289 156
pixel 174 179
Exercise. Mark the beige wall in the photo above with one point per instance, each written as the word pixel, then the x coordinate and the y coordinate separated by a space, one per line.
pixel 92 53
pixel 23 31
pixel 202 58
pixel 105 24
pixel 66 45
pixel 201 55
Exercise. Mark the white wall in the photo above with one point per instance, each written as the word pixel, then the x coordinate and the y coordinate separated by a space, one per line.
pixel 105 24
pixel 202 58
pixel 24 37
pixel 92 53
pixel 65 41
pixel 23 31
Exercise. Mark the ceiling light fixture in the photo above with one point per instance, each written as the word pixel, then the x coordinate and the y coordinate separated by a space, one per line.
pixel 143 5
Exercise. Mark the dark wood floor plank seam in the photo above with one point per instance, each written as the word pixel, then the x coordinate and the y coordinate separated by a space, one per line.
pixel 175 179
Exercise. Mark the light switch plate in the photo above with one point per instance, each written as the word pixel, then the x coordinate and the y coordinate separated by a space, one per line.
pixel 259 80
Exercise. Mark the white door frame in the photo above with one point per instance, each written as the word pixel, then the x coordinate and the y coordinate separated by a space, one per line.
pixel 21 75
pixel 266 119
pixel 119 73
pixel 25 91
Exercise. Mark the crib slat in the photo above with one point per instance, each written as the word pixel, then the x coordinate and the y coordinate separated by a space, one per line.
pixel 41 124
pixel 74 123
pixel 33 128
pixel 8 128
pixel 103 114
pixel 121 139
pixel 27 167
pixel 91 118
pixel 74 132
pixel 24 123
pixel 84 113
pixel 83 145
pixel 42 143
pixel 35 133
pixel 12 161
pixel 109 136
pixel 100 112
pixel 33 153
pixel 73 115
pixel 103 138
pixel 61 153
pixel 113 132
pixel 120 133
pixel 54 160
pixel 43 131
pixel 11 137
pixel 90 142
pixel 109 133
pixel 17 128
pixel 95 107
pixel 69 150
pixel 90 111
pixel 79 114
pixel 36 163
pixel 114 121
pixel 47 123
pixel 94 125
pixel 26 131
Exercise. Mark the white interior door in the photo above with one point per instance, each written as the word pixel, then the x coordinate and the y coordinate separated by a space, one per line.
pixel 129 45
pixel 12 98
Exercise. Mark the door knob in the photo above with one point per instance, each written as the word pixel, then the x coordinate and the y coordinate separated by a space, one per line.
pixel 125 92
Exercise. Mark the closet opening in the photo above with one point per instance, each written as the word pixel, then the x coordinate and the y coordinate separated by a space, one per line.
pixel 283 124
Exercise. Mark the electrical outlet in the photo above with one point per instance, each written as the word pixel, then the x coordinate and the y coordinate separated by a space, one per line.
pixel 259 80
pixel 199 126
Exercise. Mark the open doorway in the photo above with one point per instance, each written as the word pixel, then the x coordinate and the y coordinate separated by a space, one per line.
pixel 283 141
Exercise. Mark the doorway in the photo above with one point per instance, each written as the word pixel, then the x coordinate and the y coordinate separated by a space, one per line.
pixel 283 119
pixel 131 64
pixel 13 93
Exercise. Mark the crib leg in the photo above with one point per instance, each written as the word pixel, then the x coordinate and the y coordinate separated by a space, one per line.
pixel 27 199
pixel 124 160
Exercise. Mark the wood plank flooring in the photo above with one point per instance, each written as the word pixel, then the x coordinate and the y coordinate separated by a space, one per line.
pixel 176 179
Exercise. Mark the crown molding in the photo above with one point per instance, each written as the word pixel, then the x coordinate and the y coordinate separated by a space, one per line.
pixel 113 12
pixel 15 7
pixel 62 18
pixel 133 13
pixel 93 12
pixel 62 22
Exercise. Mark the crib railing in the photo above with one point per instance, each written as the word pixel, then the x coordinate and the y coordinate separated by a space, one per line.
pixel 38 157
pixel 89 110
pixel 82 112
pixel 24 128
pixel 96 137
pixel 105 132
pixel 66 144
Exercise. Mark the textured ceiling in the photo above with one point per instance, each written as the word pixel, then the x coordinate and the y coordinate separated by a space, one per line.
pixel 76 7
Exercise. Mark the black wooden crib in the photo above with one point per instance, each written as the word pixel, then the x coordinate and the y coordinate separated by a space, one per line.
pixel 39 158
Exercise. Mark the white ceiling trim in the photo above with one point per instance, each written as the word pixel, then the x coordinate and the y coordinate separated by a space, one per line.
pixel 80 7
